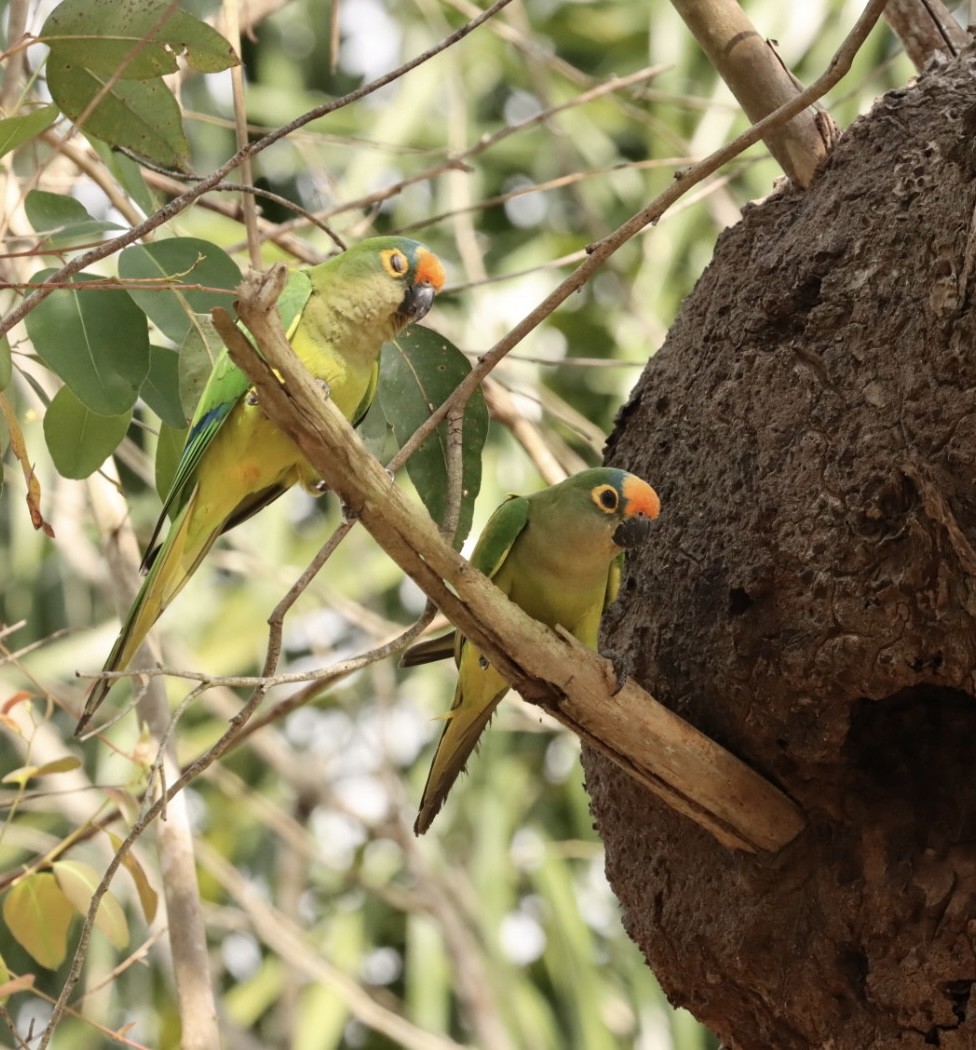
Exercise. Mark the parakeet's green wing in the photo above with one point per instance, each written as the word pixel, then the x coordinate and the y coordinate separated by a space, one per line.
pixel 225 387
pixel 499 534
pixel 488 557
pixel 292 301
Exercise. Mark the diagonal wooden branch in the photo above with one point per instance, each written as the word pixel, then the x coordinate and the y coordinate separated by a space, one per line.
pixel 578 687
pixel 755 74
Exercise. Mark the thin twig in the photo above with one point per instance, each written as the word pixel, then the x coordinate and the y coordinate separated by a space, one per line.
pixel 458 161
pixel 232 22
pixel 14 64
pixel 286 938
pixel 502 407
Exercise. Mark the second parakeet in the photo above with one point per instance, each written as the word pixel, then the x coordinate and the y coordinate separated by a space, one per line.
pixel 558 555
pixel 235 460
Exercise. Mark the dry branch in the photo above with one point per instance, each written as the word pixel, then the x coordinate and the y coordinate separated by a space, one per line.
pixel 926 28
pixel 760 82
pixel 578 687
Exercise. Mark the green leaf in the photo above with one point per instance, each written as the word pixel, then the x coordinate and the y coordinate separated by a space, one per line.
pixel 198 354
pixel 6 365
pixel 418 371
pixel 140 115
pixel 169 447
pixel 173 263
pixel 129 174
pixel 78 882
pixel 161 390
pixel 66 218
pixel 375 433
pixel 15 131
pixel 95 339
pixel 38 915
pixel 135 40
pixel 78 439
pixel 107 61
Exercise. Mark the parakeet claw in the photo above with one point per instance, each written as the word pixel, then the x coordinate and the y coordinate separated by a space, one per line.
pixel 622 669
pixel 251 398
pixel 325 389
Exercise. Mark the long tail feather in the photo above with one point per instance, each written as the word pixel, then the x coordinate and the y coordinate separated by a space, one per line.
pixel 478 692
pixel 429 650
pixel 171 568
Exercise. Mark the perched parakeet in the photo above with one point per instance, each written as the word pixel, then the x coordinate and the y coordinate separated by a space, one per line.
pixel 236 461
pixel 558 555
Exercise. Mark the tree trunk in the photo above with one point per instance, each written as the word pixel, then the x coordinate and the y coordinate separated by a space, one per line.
pixel 809 599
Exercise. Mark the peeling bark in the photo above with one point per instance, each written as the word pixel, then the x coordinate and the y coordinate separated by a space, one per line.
pixel 810 600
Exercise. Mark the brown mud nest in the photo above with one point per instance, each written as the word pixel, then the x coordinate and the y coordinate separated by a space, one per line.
pixel 809 598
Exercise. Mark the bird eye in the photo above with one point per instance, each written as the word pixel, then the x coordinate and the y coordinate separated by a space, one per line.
pixel 606 497
pixel 395 262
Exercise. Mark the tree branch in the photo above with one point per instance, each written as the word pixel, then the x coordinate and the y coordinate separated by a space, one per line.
pixel 926 28
pixel 755 74
pixel 578 687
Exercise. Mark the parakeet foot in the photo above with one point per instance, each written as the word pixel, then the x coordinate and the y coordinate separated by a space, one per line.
pixel 623 668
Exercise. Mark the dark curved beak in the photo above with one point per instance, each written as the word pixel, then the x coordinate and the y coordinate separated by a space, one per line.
pixel 417 300
pixel 632 532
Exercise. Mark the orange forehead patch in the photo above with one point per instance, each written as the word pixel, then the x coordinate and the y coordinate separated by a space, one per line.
pixel 640 498
pixel 430 269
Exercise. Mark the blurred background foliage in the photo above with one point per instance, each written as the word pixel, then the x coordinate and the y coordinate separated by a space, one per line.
pixel 497 929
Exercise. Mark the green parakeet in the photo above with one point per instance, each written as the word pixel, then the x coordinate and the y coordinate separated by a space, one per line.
pixel 235 461
pixel 558 555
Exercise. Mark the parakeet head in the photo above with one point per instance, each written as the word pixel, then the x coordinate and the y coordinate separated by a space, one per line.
pixel 411 274
pixel 629 503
